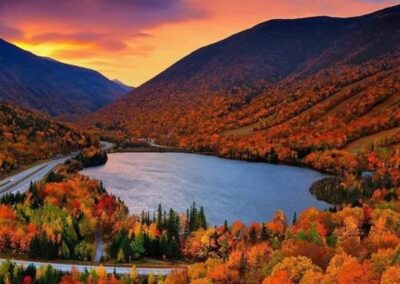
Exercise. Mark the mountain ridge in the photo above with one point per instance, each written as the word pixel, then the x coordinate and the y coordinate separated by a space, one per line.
pixel 51 86
pixel 338 83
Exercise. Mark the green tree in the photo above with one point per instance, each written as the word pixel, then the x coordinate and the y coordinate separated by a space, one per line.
pixel 137 246
pixel 202 219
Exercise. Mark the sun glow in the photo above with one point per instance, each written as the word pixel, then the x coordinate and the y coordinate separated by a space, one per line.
pixel 134 41
pixel 49 49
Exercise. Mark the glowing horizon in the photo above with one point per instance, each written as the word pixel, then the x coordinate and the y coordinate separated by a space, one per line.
pixel 133 41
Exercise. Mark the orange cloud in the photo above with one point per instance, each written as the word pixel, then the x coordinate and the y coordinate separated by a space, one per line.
pixel 135 40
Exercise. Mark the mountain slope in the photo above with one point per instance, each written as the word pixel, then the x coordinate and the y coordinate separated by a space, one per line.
pixel 50 86
pixel 276 92
pixel 126 87
pixel 27 136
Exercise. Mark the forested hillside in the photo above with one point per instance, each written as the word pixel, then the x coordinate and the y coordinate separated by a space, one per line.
pixel 62 216
pixel 26 137
pixel 292 91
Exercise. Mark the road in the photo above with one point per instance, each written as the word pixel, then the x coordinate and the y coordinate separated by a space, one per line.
pixel 151 143
pixel 106 146
pixel 20 182
pixel 110 269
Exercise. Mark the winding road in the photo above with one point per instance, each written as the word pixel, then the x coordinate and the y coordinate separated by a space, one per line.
pixel 20 182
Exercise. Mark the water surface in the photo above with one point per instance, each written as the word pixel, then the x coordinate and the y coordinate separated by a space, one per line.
pixel 227 189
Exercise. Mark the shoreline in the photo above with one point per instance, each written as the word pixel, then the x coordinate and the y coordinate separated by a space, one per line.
pixel 156 149
pixel 165 149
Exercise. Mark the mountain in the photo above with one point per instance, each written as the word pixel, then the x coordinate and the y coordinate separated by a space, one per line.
pixel 279 91
pixel 28 136
pixel 123 85
pixel 48 85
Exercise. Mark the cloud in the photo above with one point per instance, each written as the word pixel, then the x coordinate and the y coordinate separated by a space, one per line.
pixel 9 32
pixel 100 40
pixel 54 36
pixel 74 28
pixel 133 40
pixel 121 14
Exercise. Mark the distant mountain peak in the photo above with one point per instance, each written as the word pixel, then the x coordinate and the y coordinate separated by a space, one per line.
pixel 51 86
pixel 122 84
pixel 259 65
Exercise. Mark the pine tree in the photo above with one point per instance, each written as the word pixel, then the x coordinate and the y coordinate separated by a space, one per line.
pixel 159 217
pixel 264 233
pixel 35 249
pixel 35 199
pixel 193 218
pixel 226 228
pixel 294 221
pixel 126 247
pixel 253 235
pixel 137 246
pixel 164 225
pixel 202 219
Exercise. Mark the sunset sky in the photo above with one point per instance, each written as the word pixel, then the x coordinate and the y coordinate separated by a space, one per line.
pixel 134 40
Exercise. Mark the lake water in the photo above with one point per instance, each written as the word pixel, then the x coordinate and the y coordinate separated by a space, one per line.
pixel 227 189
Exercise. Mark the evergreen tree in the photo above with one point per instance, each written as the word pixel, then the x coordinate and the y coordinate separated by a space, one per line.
pixel 137 246
pixel 294 221
pixel 35 199
pixel 264 233
pixel 193 218
pixel 159 217
pixel 164 225
pixel 35 249
pixel 202 219
pixel 126 248
pixel 226 228
pixel 253 235
pixel 116 243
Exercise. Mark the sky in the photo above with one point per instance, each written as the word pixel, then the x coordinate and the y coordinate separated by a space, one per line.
pixel 134 40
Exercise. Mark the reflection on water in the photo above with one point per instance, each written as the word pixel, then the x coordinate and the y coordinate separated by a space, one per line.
pixel 227 189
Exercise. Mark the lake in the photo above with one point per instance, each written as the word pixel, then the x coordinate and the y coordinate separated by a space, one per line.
pixel 227 189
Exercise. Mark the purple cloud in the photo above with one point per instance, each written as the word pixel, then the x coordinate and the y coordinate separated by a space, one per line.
pixel 9 32
pixel 124 14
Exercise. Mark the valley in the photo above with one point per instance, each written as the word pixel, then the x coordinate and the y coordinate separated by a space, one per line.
pixel 270 156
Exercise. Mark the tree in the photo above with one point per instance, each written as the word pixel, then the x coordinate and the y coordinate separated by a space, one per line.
pixel 47 275
pixel 264 233
pixel 202 219
pixel 134 275
pixel 391 275
pixel 281 277
pixel 151 279
pixel 226 227
pixel 34 199
pixel 253 234
pixel 294 221
pixel 296 267
pixel 193 218
pixel 121 256
pixel 137 246
pixel 159 217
